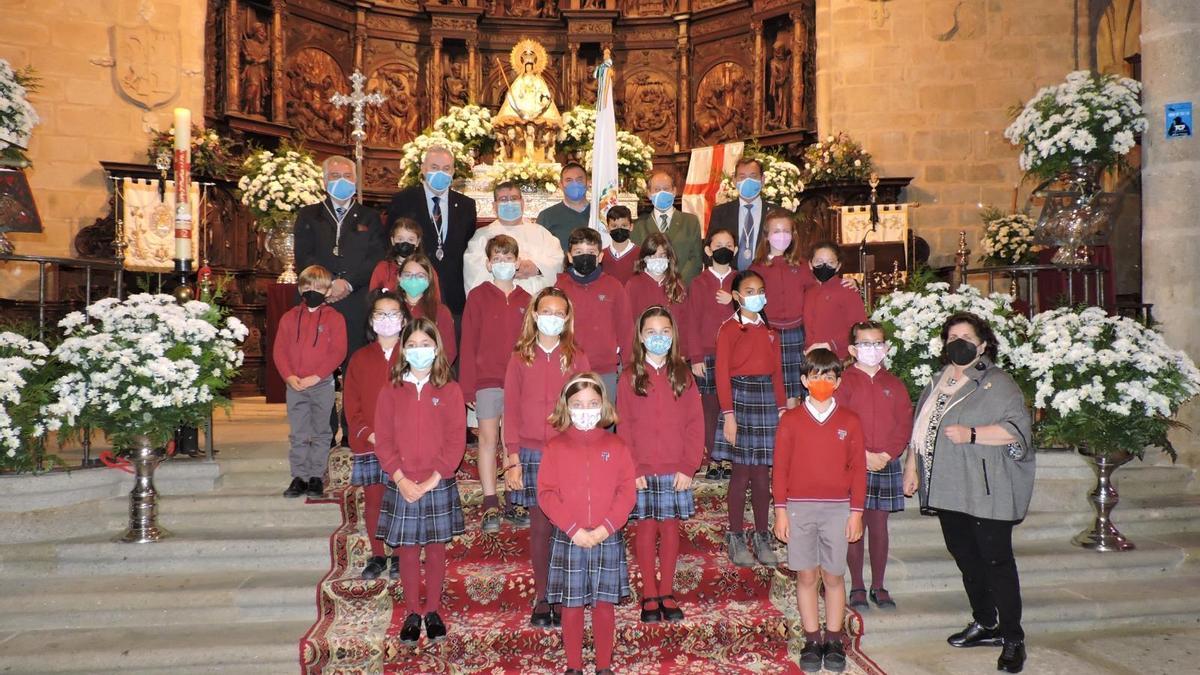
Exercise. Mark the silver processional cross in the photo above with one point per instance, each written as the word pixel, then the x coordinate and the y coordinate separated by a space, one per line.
pixel 358 100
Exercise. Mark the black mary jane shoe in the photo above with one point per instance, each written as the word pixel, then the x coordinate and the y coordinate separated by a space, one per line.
pixel 556 615
pixel 882 599
pixel 543 618
pixel 714 472
pixel 651 615
pixel 670 614
pixel 975 635
pixel 435 628
pixel 410 633
pixel 1012 658
pixel 375 566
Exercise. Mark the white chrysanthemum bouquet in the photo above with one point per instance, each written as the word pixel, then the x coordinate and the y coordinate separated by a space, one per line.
pixel 17 116
pixel 24 386
pixel 781 181
pixel 275 185
pixel 527 174
pixel 414 151
pixel 1008 239
pixel 470 125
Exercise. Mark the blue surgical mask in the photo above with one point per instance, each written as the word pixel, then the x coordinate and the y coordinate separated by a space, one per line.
pixel 551 325
pixel 438 181
pixel 420 358
pixel 663 199
pixel 509 211
pixel 414 286
pixel 754 303
pixel 341 189
pixel 575 191
pixel 658 345
pixel 504 271
pixel 749 188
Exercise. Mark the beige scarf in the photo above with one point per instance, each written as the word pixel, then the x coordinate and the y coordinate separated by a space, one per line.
pixel 945 385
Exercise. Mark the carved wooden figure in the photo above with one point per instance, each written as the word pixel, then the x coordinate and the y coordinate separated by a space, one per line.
pixel 256 66
pixel 779 92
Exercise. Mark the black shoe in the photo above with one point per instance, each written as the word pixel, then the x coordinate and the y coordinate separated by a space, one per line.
pixel 298 487
pixel 606 671
pixel 394 571
pixel 651 615
pixel 714 472
pixel 572 671
pixel 411 631
pixel 858 599
pixel 835 656
pixel 1012 659
pixel 316 488
pixel 811 655
pixel 727 471
pixel 434 628
pixel 975 635
pixel 375 566
pixel 556 615
pixel 671 614
pixel 543 618
pixel 882 599
pixel 517 516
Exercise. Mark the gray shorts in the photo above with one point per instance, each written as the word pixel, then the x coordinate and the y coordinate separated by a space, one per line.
pixel 817 536
pixel 489 403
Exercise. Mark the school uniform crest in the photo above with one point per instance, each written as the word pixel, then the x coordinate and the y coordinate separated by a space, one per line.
pixel 604 456
pixel 435 400
pixel 887 392
pixel 602 297
pixel 841 434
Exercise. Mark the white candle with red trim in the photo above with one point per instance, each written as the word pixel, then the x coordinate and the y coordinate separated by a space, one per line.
pixel 183 184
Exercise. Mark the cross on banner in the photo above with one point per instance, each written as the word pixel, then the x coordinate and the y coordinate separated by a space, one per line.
pixel 357 100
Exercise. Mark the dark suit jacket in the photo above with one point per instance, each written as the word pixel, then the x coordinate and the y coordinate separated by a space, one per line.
pixel 729 217
pixel 410 203
pixel 684 233
pixel 363 244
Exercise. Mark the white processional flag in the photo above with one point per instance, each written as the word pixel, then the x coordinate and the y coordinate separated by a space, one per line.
pixel 605 180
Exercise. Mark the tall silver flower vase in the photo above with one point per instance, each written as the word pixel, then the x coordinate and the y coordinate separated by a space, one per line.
pixel 1103 535
pixel 143 499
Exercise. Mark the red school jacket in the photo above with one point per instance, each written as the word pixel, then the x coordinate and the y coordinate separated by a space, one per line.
pixel 785 284
pixel 366 375
pixel 830 310
pixel 586 480
pixel 445 326
pixel 819 461
pixel 748 349
pixel 883 407
pixel 602 324
pixel 621 268
pixel 704 314
pixel 664 433
pixel 420 432
pixel 492 324
pixel 309 342
pixel 530 393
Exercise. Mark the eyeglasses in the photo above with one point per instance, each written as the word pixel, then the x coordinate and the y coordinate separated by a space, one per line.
pixel 561 315
pixel 387 315
pixel 417 275
pixel 505 200
pixel 870 345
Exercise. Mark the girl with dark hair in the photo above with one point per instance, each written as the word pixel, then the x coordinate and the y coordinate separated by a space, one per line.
pixel 419 288
pixel 830 306
pixel 656 279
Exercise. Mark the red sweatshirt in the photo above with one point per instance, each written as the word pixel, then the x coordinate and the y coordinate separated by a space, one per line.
pixel 366 375
pixel 386 275
pixel 830 309
pixel 643 291
pixel 445 326
pixel 309 342
pixel 665 434
pixel 492 324
pixel 883 407
pixel 586 480
pixel 620 268
pixel 602 324
pixel 420 433
pixel 819 461
pixel 785 285
pixel 704 314
pixel 747 349
pixel 530 393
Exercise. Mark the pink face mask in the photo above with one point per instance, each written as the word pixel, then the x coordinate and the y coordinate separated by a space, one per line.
pixel 870 356
pixel 780 240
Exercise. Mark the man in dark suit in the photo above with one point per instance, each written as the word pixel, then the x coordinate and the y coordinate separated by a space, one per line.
pixel 683 229
pixel 743 218
pixel 447 221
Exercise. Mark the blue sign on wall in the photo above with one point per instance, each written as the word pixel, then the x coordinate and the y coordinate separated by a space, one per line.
pixel 1179 119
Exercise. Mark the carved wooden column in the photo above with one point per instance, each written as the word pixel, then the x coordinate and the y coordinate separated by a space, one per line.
pixel 570 74
pixel 684 114
pixel 474 83
pixel 233 57
pixel 360 37
pixel 278 111
pixel 799 54
pixel 435 75
pixel 759 71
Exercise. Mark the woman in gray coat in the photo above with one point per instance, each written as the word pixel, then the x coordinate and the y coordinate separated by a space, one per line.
pixel 972 458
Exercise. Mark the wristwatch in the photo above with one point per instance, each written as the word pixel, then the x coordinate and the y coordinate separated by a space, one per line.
pixel 972 435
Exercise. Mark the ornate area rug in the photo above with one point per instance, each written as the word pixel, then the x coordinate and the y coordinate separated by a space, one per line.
pixel 738 620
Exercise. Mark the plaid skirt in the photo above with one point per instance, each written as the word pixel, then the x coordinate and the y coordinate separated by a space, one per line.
pixel 531 461
pixel 661 501
pixel 757 415
pixel 708 383
pixel 435 518
pixel 885 488
pixel 792 346
pixel 366 470
pixel 584 576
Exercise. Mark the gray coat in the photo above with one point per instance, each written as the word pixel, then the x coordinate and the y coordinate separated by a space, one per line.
pixel 985 481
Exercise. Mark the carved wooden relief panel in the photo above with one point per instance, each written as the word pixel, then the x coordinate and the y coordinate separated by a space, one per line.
pixel 312 75
pixel 398 120
pixel 647 7
pixel 523 8
pixel 724 104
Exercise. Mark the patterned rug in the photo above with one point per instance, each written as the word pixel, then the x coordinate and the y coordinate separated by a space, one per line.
pixel 738 620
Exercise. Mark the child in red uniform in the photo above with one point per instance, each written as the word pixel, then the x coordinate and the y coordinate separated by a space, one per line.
pixel 366 375
pixel 420 427
pixel 750 389
pixel 881 401
pixel 605 335
pixel 418 283
pixel 406 240
pixel 662 423
pixel 309 345
pixel 622 254
pixel 586 487
pixel 830 307
pixel 492 320
pixel 656 280
pixel 819 487
pixel 546 356
pixel 707 308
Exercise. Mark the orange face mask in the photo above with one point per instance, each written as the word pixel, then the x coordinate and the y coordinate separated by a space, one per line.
pixel 820 390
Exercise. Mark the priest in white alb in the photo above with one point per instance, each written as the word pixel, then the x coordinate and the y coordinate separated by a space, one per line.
pixel 541 256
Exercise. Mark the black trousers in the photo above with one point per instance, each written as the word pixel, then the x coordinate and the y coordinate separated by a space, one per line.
pixel 982 549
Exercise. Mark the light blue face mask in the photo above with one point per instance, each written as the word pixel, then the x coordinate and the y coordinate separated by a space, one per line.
pixel 438 181
pixel 414 286
pixel 504 271
pixel 749 188
pixel 341 189
pixel 575 190
pixel 658 345
pixel 551 325
pixel 663 199
pixel 754 303
pixel 509 211
pixel 420 358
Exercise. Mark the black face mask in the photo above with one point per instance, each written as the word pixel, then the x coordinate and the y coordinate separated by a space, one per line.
pixel 960 352
pixel 313 299
pixel 619 235
pixel 722 256
pixel 403 249
pixel 584 264
pixel 824 273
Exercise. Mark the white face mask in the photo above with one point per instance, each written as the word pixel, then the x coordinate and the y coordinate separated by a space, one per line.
pixel 585 419
pixel 657 266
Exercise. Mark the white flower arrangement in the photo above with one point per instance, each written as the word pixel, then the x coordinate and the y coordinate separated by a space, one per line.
pixel 781 181
pixel 145 365
pixel 413 153
pixel 527 174
pixel 635 157
pixel 838 158
pixel 1008 239
pixel 23 384
pixel 913 321
pixel 17 116
pixel 470 125
pixel 579 129
pixel 1089 118
pixel 1105 382
pixel 275 185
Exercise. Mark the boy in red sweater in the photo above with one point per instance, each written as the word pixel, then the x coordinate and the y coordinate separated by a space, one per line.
pixel 309 345
pixel 819 488
pixel 605 330
pixel 830 307
pixel 491 324
pixel 621 255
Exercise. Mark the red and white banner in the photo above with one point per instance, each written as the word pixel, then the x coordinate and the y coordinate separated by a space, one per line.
pixel 705 169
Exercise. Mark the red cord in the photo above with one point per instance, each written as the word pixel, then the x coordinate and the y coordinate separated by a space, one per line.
pixel 114 462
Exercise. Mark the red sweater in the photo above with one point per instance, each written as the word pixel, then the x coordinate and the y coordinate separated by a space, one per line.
pixel 386 275
pixel 665 434
pixel 704 314
pixel 530 393
pixel 785 285
pixel 830 309
pixel 586 480
pixel 492 323
pixel 643 291
pixel 445 326
pixel 420 433
pixel 620 268
pixel 883 407
pixel 602 324
pixel 747 349
pixel 309 342
pixel 819 461
pixel 366 375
